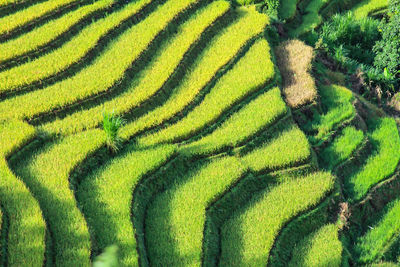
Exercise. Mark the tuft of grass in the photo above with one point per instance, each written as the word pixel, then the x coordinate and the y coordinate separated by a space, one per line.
pixel 321 249
pixel 294 61
pixel 342 147
pixel 111 126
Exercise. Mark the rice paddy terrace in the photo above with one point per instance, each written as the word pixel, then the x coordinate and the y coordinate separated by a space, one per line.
pixel 233 151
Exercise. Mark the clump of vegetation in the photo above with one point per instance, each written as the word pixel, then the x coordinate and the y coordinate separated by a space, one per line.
pixel 367 46
pixel 344 36
pixel 387 50
pixel 111 126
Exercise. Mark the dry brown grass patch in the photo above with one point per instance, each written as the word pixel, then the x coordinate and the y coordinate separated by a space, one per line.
pixel 294 61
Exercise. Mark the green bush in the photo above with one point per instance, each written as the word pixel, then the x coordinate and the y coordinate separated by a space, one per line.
pixel 353 37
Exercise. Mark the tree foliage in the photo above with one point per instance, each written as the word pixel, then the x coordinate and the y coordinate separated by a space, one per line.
pixel 388 49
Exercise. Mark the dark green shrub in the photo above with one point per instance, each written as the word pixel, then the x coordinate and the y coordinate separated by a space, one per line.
pixel 351 37
pixel 388 49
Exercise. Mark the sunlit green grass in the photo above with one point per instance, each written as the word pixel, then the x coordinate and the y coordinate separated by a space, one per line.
pixel 218 53
pixel 372 245
pixel 13 21
pixel 116 60
pixel 337 104
pixel 342 147
pixel 26 228
pixel 153 76
pixel 382 163
pixel 47 176
pixel 231 88
pixel 69 53
pixel 320 249
pixel 364 8
pixel 283 150
pixel 49 31
pixel 257 114
pixel 6 2
pixel 248 236
pixel 176 217
pixel 311 19
pixel 106 199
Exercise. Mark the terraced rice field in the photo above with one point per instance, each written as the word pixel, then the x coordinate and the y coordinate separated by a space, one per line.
pixel 214 167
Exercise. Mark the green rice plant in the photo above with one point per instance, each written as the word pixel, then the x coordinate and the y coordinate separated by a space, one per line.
pixel 292 235
pixel 106 199
pixel 322 248
pixel 111 126
pixel 253 117
pixel 153 76
pixel 48 32
pixel 283 150
pixel 366 7
pixel 69 53
pixel 311 20
pixel 287 9
pixel 219 52
pixel 46 174
pixel 337 103
pixel 248 236
pixel 176 217
pixel 342 147
pixel 221 96
pixel 373 244
pixel 117 58
pixel 26 226
pixel 13 21
pixel 382 163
